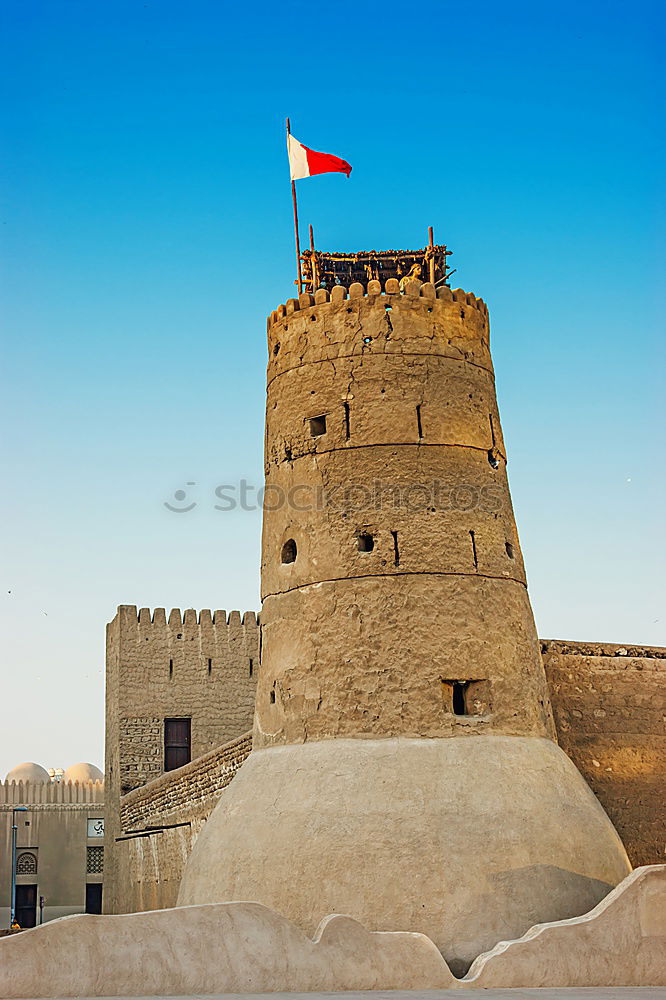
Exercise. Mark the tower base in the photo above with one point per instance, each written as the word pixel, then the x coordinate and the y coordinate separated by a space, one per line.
pixel 469 840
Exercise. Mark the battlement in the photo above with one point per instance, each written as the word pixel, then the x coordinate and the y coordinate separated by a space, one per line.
pixel 410 288
pixel 50 792
pixel 190 618
pixel 408 318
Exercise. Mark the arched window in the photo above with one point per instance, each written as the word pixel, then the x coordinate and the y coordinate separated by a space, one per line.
pixel 26 863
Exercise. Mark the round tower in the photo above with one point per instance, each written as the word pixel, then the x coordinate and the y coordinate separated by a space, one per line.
pixel 405 769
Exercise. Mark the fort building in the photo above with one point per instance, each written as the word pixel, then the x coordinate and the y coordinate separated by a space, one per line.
pixel 176 690
pixel 408 761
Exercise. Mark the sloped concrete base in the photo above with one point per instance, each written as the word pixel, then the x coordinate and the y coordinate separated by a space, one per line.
pixel 621 942
pixel 469 840
pixel 247 948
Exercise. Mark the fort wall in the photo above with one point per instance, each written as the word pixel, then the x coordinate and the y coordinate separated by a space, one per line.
pixel 150 862
pixel 609 703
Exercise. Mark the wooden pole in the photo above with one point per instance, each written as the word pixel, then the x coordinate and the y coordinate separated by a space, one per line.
pixel 299 280
pixel 431 243
pixel 313 263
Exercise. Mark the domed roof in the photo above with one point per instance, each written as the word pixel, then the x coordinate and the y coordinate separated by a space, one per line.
pixel 83 772
pixel 28 771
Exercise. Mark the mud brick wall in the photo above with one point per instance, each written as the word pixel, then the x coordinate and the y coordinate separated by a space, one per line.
pixel 609 703
pixel 149 863
pixel 198 665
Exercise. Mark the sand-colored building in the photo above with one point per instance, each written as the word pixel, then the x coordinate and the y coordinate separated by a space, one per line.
pixel 59 842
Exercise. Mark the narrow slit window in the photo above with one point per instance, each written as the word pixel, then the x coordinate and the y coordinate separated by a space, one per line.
pixel 210 665
pixel 251 666
pixel 396 550
pixel 459 697
pixel 347 424
pixel 419 423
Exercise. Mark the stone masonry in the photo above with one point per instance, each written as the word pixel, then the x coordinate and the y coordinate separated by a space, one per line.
pixel 610 710
pixel 201 666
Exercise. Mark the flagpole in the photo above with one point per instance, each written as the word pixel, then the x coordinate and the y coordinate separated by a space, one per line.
pixel 298 240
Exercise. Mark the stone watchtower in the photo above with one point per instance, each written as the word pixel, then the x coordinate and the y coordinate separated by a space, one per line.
pixel 405 770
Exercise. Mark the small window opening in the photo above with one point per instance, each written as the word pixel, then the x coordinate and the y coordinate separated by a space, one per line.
pixel 251 666
pixel 509 550
pixel 367 340
pixel 388 308
pixel 474 552
pixel 459 697
pixel 317 426
pixel 210 665
pixel 272 694
pixel 276 349
pixel 366 542
pixel 396 550
pixel 170 668
pixel 289 551
pixel 347 423
pixel 493 459
pixel 418 421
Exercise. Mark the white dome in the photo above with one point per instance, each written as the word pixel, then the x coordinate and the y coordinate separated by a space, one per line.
pixel 28 771
pixel 83 772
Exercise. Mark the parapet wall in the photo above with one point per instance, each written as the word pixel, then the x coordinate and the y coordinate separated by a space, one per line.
pixel 609 703
pixel 150 862
pixel 50 792
pixel 325 326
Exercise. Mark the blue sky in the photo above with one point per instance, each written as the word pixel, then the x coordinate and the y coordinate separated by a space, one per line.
pixel 146 233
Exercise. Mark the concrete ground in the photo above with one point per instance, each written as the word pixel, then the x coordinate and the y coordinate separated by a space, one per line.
pixel 595 993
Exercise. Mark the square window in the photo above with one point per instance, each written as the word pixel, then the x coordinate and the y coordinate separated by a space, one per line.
pixel 317 426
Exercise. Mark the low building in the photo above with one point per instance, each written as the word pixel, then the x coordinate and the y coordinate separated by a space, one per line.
pixel 59 842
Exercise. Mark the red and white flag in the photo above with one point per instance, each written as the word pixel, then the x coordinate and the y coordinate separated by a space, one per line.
pixel 304 162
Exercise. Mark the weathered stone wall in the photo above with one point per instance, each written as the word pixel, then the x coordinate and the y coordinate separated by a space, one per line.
pixel 407 582
pixel 203 666
pixel 609 703
pixel 149 863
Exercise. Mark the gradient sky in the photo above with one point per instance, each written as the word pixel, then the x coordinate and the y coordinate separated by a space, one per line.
pixel 146 233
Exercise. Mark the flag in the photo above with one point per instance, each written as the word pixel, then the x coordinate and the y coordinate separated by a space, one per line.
pixel 304 162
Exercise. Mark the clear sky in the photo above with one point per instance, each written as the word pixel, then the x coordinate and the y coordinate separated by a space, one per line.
pixel 146 233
